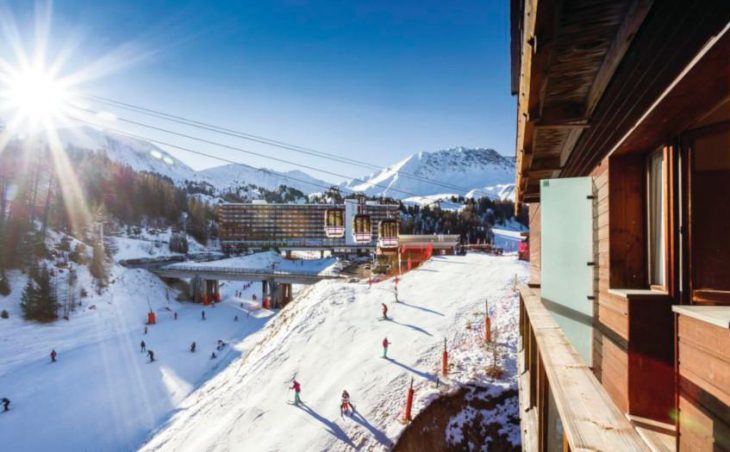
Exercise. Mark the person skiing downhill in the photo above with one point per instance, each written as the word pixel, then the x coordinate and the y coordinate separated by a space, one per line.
pixel 6 404
pixel 202 315
pixel 297 389
pixel 151 355
pixel 142 347
pixel 53 356
pixel 345 407
pixel 385 347
pixel 192 347
pixel 385 311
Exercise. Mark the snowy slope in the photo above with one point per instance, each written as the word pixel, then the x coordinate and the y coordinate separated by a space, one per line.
pixel 330 339
pixel 137 154
pixel 102 394
pixel 230 177
pixel 461 170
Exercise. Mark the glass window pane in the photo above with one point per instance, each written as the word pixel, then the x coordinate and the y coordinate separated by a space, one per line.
pixel 657 229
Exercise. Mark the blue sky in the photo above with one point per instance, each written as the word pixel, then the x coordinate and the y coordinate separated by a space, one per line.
pixel 371 80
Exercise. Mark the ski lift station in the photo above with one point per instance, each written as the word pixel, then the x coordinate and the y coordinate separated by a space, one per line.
pixel 354 225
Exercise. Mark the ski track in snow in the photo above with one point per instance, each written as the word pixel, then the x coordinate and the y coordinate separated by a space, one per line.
pixel 330 339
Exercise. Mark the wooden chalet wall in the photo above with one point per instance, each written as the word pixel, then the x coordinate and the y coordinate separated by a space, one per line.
pixel 610 335
pixel 704 396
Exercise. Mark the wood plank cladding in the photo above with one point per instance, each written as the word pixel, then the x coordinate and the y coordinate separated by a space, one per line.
pixel 535 256
pixel 627 211
pixel 704 385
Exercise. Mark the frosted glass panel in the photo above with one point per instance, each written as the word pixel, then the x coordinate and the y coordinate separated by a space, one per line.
pixel 567 248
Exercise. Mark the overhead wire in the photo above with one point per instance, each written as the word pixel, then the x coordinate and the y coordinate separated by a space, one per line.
pixel 211 156
pixel 236 149
pixel 264 140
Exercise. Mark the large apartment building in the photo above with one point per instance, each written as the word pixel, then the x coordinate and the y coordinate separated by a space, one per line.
pixel 623 160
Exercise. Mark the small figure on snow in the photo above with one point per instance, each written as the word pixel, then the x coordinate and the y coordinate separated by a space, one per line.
pixel 174 315
pixel 145 330
pixel 192 347
pixel 297 389
pixel 142 347
pixel 385 311
pixel 370 283
pixel 53 356
pixel 220 345
pixel 386 343
pixel 235 318
pixel 202 314
pixel 395 291
pixel 151 355
pixel 6 404
pixel 345 406
pixel 213 355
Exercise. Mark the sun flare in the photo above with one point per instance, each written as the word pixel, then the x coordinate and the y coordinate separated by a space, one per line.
pixel 35 97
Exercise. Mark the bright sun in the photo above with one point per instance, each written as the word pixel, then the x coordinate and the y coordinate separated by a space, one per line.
pixel 35 97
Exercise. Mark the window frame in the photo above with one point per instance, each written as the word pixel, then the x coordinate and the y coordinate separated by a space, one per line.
pixel 664 220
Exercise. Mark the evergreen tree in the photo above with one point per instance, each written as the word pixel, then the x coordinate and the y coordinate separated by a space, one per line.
pixel 39 299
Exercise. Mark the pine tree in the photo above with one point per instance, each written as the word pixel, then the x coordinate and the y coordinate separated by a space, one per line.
pixel 39 300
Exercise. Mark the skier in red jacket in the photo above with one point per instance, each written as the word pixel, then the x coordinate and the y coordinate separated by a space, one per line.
pixel 385 347
pixel 53 356
pixel 297 389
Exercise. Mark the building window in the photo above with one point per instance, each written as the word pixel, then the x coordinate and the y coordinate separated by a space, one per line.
pixel 656 218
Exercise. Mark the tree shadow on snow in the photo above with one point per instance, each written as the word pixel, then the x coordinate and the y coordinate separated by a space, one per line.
pixel 332 428
pixel 413 327
pixel 424 375
pixel 379 436
pixel 420 308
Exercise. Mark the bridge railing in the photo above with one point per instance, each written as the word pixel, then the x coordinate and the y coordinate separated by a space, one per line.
pixel 238 271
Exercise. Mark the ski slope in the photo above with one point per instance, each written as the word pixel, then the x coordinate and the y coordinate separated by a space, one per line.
pixel 102 394
pixel 330 340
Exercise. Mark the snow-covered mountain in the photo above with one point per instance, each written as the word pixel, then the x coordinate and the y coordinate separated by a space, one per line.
pixel 456 171
pixel 233 176
pixel 137 154
pixel 145 156
pixel 426 175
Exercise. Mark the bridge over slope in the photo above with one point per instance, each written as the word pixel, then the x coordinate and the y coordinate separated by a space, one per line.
pixel 276 273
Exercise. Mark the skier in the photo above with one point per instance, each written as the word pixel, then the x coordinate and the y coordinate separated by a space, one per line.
pixel 385 347
pixel 6 404
pixel 175 315
pixel 213 355
pixel 345 407
pixel 202 315
pixel 235 319
pixel 370 283
pixel 385 311
pixel 53 356
pixel 151 355
pixel 142 347
pixel 192 347
pixel 145 330
pixel 396 295
pixel 297 389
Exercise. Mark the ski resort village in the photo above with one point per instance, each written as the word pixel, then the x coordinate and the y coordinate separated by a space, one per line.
pixel 483 225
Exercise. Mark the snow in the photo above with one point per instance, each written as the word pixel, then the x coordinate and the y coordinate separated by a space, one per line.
pixel 267 260
pixel 330 339
pixel 469 172
pixel 150 244
pixel 102 394
pixel 232 176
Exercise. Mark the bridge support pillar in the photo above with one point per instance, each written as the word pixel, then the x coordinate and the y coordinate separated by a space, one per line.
pixel 321 254
pixel 280 294
pixel 288 254
pixel 197 289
